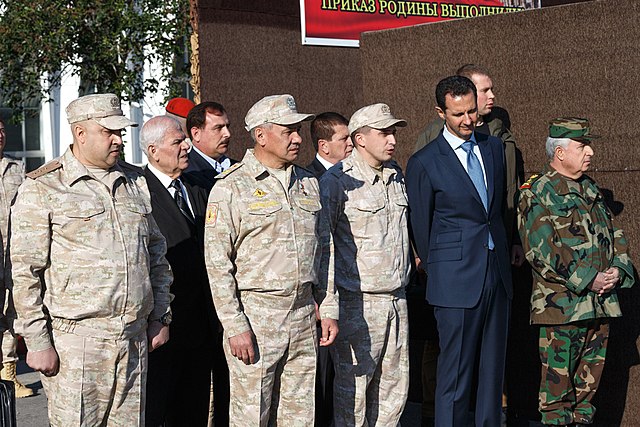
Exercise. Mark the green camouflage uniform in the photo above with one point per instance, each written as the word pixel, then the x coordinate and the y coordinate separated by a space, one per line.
pixel 568 236
pixel 262 255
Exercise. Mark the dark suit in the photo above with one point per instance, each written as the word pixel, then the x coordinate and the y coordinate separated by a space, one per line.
pixel 179 375
pixel 316 167
pixel 469 285
pixel 200 170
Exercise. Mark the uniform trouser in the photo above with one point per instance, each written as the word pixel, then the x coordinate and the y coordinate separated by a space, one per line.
pixel 572 359
pixel 100 382
pixel 9 345
pixel 371 359
pixel 278 389
pixel 473 344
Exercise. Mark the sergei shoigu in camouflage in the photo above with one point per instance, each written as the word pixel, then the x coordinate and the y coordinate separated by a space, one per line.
pixel 579 258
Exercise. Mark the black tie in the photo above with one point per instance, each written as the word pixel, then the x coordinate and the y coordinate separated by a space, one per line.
pixel 180 201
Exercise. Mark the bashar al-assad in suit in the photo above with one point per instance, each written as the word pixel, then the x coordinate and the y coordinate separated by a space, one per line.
pixel 456 190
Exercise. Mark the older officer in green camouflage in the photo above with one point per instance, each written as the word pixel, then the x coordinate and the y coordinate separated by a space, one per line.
pixel 91 282
pixel 262 254
pixel 366 257
pixel 579 258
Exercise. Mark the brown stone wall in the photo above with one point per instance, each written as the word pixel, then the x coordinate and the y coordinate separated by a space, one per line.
pixel 252 48
pixel 576 59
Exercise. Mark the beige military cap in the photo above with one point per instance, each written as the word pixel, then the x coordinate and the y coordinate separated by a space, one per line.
pixel 277 109
pixel 377 116
pixel 104 108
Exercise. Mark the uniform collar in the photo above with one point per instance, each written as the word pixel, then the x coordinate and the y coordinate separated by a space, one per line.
pixel 74 171
pixel 360 164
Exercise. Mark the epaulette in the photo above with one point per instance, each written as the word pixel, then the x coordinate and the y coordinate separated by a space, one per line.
pixel 45 169
pixel 530 181
pixel 229 171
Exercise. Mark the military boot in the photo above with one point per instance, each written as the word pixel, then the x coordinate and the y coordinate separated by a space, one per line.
pixel 8 373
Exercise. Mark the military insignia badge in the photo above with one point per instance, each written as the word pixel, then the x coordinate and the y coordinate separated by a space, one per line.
pixel 259 193
pixel 291 103
pixel 385 109
pixel 530 181
pixel 212 214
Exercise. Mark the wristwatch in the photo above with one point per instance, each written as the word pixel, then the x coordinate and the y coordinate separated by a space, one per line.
pixel 166 318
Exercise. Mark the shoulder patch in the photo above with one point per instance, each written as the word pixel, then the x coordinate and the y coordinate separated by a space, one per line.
pixel 229 171
pixel 530 181
pixel 45 169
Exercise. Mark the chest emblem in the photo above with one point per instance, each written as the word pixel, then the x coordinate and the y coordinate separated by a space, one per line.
pixel 259 193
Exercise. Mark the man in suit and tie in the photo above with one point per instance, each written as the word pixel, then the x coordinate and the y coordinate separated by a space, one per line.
pixel 180 373
pixel 330 135
pixel 456 189
pixel 208 127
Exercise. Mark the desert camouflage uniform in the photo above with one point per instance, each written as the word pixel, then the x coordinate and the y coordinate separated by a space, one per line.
pixel 366 257
pixel 569 236
pixel 262 257
pixel 89 271
pixel 11 176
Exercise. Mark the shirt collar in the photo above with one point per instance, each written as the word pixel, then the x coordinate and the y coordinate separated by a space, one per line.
pixel 164 179
pixel 73 170
pixel 455 141
pixel 218 165
pixel 327 164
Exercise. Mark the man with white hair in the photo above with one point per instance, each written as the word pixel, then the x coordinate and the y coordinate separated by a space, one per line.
pixel 579 259
pixel 177 390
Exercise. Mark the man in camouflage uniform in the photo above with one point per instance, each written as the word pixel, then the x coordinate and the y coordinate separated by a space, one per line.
pixel 91 282
pixel 11 176
pixel 262 256
pixel 366 258
pixel 579 258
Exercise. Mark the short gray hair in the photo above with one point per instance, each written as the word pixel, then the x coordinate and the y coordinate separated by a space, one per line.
pixel 154 130
pixel 263 126
pixel 553 143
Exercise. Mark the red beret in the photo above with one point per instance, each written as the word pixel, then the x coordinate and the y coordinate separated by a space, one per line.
pixel 180 106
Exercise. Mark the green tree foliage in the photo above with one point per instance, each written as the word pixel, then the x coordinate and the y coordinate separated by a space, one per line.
pixel 105 42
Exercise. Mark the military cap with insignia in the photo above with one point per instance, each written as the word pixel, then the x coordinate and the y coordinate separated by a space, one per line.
pixel 376 116
pixel 276 109
pixel 572 128
pixel 103 108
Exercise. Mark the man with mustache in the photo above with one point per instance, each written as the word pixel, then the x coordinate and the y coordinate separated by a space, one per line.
pixel 579 259
pixel 91 282
pixel 365 257
pixel 177 389
pixel 261 248
pixel 208 127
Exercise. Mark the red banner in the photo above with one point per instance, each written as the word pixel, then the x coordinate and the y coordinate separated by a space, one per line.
pixel 340 22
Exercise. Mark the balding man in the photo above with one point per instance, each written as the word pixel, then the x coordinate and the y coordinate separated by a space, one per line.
pixel 91 282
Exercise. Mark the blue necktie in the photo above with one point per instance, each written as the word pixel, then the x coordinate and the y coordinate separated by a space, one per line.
pixel 474 169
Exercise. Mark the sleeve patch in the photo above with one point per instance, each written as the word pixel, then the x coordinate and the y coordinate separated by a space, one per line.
pixel 212 214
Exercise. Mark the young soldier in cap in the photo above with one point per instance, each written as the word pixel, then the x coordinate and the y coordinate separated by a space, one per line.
pixel 91 282
pixel 365 256
pixel 262 254
pixel 578 258
pixel 11 176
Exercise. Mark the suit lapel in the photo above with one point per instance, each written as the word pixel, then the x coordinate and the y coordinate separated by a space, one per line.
pixel 449 158
pixel 162 200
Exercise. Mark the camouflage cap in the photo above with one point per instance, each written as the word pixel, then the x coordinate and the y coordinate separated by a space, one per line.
pixel 104 108
pixel 572 128
pixel 278 109
pixel 377 116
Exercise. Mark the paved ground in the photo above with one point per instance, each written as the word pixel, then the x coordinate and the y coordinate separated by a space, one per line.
pixel 32 411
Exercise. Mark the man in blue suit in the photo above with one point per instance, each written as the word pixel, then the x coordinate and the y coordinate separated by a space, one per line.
pixel 456 189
